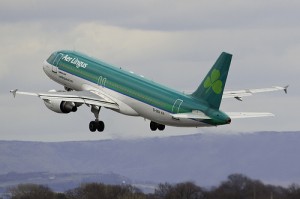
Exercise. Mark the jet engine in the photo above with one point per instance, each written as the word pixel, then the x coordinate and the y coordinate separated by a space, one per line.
pixel 60 106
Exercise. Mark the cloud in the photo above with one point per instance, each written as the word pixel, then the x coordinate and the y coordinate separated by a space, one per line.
pixel 156 15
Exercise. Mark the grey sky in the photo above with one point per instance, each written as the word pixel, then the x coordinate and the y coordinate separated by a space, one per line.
pixel 171 42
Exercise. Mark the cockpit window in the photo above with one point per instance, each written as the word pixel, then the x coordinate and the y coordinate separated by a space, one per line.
pixel 52 57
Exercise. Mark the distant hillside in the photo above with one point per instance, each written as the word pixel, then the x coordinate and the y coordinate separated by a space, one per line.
pixel 205 159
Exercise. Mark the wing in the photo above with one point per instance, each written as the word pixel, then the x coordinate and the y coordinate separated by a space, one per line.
pixel 236 115
pixel 95 98
pixel 248 92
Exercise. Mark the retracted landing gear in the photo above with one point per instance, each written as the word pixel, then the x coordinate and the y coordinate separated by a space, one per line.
pixel 154 126
pixel 96 125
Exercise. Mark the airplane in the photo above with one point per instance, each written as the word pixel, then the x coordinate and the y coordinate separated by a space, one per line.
pixel 92 82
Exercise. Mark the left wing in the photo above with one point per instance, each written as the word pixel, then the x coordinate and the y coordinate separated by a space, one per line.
pixel 248 92
pixel 82 97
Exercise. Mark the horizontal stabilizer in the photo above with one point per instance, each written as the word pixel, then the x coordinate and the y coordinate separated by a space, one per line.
pixel 192 115
pixel 236 115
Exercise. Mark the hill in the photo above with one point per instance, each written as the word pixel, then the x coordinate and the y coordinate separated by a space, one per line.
pixel 206 159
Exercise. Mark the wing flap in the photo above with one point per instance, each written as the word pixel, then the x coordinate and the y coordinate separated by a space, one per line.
pixel 237 115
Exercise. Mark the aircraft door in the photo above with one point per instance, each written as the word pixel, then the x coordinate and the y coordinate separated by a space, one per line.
pixel 176 106
pixel 56 61
pixel 102 81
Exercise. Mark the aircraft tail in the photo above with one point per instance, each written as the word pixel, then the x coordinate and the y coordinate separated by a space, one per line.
pixel 212 87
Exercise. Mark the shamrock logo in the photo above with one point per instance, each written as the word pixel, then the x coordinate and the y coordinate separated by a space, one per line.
pixel 214 82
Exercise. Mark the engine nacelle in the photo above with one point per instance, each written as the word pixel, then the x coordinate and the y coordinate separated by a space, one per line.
pixel 60 106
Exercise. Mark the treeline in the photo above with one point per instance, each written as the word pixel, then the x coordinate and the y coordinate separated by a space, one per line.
pixel 236 186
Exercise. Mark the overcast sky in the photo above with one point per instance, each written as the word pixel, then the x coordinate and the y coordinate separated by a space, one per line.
pixel 172 42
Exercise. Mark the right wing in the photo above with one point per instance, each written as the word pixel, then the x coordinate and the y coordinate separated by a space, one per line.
pixel 82 97
pixel 248 92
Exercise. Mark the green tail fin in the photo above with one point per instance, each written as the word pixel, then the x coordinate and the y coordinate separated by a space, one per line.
pixel 212 87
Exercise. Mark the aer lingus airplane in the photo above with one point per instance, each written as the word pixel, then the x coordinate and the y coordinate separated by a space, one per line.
pixel 97 84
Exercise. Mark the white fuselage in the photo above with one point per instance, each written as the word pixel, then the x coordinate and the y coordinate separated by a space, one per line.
pixel 127 105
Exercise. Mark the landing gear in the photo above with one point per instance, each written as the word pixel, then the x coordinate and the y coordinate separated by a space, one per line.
pixel 154 126
pixel 68 89
pixel 100 126
pixel 96 125
pixel 161 127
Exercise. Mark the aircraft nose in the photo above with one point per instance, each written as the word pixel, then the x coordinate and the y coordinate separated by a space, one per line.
pixel 46 67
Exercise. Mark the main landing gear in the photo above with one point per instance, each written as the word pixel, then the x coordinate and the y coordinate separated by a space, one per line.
pixel 154 126
pixel 96 125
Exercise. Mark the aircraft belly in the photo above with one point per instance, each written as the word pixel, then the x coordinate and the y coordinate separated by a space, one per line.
pixel 132 107
pixel 154 114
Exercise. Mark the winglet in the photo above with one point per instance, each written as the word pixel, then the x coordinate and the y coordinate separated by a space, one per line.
pixel 14 92
pixel 285 88
pixel 238 98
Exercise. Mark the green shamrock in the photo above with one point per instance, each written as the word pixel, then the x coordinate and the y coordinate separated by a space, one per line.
pixel 214 82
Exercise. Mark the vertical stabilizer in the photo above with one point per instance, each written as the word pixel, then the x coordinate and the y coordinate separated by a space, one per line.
pixel 212 87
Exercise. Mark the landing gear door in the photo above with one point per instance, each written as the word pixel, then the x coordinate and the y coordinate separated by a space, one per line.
pixel 56 61
pixel 176 106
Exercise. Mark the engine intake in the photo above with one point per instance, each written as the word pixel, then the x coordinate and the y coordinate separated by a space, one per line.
pixel 67 107
pixel 60 106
